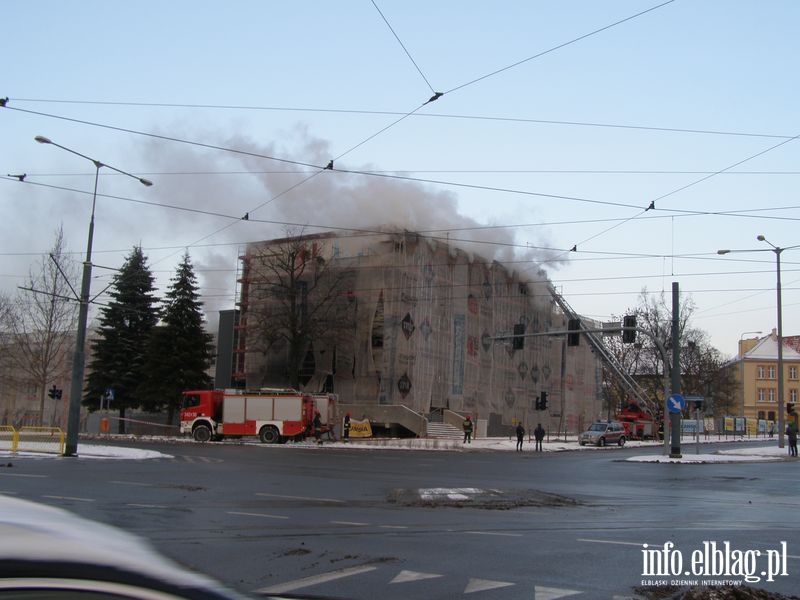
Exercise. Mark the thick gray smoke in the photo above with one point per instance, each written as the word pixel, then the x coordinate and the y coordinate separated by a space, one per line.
pixel 239 184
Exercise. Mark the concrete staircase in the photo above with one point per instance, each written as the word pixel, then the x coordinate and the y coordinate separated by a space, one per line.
pixel 444 431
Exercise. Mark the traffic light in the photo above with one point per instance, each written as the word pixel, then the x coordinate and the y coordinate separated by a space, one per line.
pixel 52 392
pixel 518 341
pixel 538 403
pixel 543 401
pixel 629 335
pixel 573 337
pixel 790 408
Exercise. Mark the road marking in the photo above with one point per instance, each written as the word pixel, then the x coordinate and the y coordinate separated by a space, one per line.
pixel 24 475
pixel 495 533
pixel 147 505
pixel 139 483
pixel 70 498
pixel 349 523
pixel 300 498
pixel 249 514
pixel 547 593
pixel 393 526
pixel 406 576
pixel 609 542
pixel 480 585
pixel 297 584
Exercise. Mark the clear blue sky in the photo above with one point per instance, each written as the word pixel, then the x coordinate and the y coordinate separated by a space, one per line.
pixel 559 148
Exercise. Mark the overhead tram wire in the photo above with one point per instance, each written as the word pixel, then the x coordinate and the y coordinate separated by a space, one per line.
pixel 402 45
pixel 236 218
pixel 559 46
pixel 733 166
pixel 687 186
pixel 397 113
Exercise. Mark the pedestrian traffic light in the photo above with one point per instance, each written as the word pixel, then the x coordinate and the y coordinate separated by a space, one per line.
pixel 629 335
pixel 52 392
pixel 518 341
pixel 573 337
pixel 790 408
pixel 543 401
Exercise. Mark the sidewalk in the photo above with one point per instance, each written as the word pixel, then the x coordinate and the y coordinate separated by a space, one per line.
pixel 761 450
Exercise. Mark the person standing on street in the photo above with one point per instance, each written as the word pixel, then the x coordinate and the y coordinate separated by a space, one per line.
pixel 538 435
pixel 318 427
pixel 520 436
pixel 346 428
pixel 791 434
pixel 467 430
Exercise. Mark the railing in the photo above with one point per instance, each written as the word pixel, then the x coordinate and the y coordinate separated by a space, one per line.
pixel 32 439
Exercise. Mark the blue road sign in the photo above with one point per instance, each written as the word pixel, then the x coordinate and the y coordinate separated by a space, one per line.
pixel 676 403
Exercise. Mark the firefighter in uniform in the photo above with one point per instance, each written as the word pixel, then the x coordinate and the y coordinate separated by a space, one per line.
pixel 346 428
pixel 467 430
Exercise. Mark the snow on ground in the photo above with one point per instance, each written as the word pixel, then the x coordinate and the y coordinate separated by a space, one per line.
pixel 713 450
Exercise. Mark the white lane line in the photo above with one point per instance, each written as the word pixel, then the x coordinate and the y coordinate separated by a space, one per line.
pixel 608 542
pixel 69 498
pixel 147 506
pixel 393 526
pixel 348 523
pixel 314 580
pixel 23 475
pixel 495 533
pixel 249 514
pixel 301 498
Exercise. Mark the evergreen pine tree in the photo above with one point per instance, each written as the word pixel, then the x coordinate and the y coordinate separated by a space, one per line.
pixel 180 349
pixel 120 351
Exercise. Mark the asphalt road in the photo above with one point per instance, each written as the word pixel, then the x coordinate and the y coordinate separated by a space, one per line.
pixel 412 524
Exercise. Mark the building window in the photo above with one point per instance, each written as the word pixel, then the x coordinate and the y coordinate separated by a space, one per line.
pixel 771 415
pixel 793 395
pixel 760 415
pixel 760 372
pixel 793 373
pixel 772 395
pixel 761 394
pixel 771 372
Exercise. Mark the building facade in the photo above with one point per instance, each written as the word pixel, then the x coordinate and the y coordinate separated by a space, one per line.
pixel 756 371
pixel 426 318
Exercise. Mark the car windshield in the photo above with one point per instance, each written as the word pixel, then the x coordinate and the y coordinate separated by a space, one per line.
pixel 598 427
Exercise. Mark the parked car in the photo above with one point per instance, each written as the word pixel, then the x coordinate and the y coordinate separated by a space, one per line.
pixel 603 433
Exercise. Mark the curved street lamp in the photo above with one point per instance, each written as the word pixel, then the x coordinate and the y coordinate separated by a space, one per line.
pixel 778 251
pixel 79 359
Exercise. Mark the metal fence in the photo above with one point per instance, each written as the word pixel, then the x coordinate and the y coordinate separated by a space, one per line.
pixel 49 440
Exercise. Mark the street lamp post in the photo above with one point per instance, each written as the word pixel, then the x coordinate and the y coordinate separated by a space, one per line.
pixel 79 359
pixel 781 402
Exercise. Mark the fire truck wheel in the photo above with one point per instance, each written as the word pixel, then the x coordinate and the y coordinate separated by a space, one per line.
pixel 269 435
pixel 201 433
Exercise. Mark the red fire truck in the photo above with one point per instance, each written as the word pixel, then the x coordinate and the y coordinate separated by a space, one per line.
pixel 274 415
pixel 639 424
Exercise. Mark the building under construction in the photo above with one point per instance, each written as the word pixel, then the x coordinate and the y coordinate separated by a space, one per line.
pixel 424 336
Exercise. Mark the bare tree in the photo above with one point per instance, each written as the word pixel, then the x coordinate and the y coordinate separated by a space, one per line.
pixel 298 298
pixel 701 363
pixel 41 322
